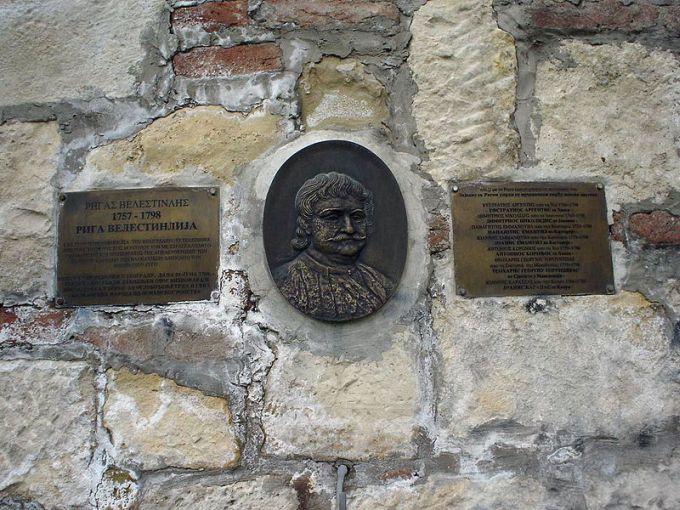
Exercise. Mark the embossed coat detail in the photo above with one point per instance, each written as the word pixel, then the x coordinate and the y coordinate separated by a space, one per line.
pixel 330 293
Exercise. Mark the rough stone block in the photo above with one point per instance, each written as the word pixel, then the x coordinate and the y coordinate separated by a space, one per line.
pixel 597 365
pixel 375 15
pixel 441 492
pixel 325 408
pixel 82 49
pixel 337 93
pixel 464 66
pixel 254 494
pixel 211 16
pixel 28 163
pixel 206 139
pixel 12 503
pixel 659 228
pixel 47 418
pixel 672 20
pixel 154 423
pixel 218 62
pixel 646 487
pixel 612 113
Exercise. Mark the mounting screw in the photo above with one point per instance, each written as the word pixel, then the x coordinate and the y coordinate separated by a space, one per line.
pixel 215 295
pixel 455 189
pixel 62 197
pixel 59 301
pixel 213 191
pixel 462 291
pixel 600 186
pixel 610 289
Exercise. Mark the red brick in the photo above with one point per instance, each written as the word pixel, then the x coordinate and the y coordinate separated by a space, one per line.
pixel 607 15
pixel 315 13
pixel 397 474
pixel 216 61
pixel 211 16
pixel 7 317
pixel 28 324
pixel 438 235
pixel 53 319
pixel 659 228
pixel 617 228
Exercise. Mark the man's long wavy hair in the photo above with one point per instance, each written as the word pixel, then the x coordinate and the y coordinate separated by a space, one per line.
pixel 322 187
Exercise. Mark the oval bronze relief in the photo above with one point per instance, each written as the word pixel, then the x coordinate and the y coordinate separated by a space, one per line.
pixel 335 231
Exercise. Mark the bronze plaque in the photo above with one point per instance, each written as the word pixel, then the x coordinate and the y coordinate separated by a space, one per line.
pixel 335 231
pixel 528 238
pixel 133 246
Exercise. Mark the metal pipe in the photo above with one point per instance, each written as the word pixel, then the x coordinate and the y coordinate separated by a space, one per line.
pixel 340 490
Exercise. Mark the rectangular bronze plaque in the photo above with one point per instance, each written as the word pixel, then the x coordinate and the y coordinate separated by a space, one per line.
pixel 528 238
pixel 133 246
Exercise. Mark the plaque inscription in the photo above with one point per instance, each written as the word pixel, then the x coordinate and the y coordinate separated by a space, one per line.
pixel 528 238
pixel 151 246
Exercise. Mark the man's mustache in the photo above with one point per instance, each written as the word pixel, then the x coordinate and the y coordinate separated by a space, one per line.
pixel 347 237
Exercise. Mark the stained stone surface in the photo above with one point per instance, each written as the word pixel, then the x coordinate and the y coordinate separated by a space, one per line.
pixel 27 324
pixel 181 337
pixel 337 93
pixel 591 365
pixel 117 490
pixel 197 347
pixel 253 494
pixel 82 49
pixel 611 112
pixel 205 139
pixel 440 492
pixel 464 67
pixel 154 423
pixel 47 418
pixel 327 408
pixel 29 154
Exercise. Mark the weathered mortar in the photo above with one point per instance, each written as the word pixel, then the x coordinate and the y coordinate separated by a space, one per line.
pixel 437 401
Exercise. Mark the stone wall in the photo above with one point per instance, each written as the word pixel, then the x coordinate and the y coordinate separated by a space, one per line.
pixel 435 402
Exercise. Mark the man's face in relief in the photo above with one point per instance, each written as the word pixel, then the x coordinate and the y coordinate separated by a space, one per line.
pixel 339 226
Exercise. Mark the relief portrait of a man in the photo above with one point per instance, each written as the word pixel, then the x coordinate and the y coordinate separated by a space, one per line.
pixel 326 280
